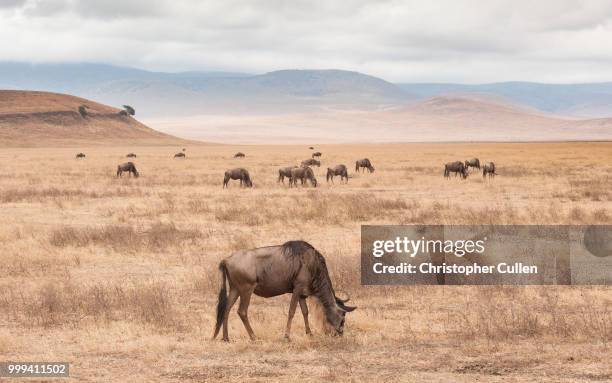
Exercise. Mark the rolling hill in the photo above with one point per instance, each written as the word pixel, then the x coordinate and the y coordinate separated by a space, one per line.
pixel 30 118
pixel 453 118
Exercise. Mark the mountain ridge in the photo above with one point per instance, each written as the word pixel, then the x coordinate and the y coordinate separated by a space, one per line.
pixel 158 94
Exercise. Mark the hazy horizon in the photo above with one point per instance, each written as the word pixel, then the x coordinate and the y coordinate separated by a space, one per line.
pixel 228 73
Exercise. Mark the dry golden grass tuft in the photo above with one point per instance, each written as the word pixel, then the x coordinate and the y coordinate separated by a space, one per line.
pixel 119 276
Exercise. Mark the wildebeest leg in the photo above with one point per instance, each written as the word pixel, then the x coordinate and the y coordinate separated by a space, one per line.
pixel 292 306
pixel 304 308
pixel 231 299
pixel 245 299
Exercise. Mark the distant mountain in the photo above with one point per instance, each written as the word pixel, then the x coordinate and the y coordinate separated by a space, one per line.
pixel 167 95
pixel 156 94
pixel 30 118
pixel 585 100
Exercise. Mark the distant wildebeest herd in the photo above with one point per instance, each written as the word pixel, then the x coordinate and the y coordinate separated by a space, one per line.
pixel 462 168
pixel 305 174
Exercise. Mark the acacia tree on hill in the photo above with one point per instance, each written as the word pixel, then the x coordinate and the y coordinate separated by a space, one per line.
pixel 129 110
pixel 83 111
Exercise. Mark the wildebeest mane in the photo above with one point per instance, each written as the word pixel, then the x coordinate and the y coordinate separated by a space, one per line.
pixel 321 283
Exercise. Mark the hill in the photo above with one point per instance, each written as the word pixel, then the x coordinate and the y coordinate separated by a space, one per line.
pixel 41 118
pixel 456 118
pixel 581 100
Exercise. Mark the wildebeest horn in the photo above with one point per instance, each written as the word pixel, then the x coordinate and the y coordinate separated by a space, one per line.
pixel 348 298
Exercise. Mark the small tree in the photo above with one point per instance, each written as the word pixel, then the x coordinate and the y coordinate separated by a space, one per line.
pixel 131 111
pixel 83 111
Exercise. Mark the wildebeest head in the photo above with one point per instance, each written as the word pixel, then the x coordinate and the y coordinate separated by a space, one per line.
pixel 311 177
pixel 339 318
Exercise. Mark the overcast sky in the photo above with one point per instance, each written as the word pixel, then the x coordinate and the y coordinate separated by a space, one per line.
pixel 466 41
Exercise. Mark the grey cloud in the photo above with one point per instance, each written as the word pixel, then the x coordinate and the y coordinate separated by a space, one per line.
pixel 467 40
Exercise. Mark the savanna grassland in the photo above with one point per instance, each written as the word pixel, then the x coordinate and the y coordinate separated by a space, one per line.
pixel 119 277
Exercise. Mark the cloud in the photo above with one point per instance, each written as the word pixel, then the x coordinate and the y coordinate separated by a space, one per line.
pixel 445 40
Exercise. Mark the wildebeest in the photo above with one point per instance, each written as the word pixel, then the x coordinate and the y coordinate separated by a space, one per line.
pixel 488 169
pixel 295 267
pixel 474 162
pixel 316 154
pixel 239 155
pixel 285 172
pixel 311 147
pixel 80 155
pixel 455 167
pixel 364 163
pixel 310 162
pixel 127 167
pixel 303 174
pixel 179 155
pixel 338 170
pixel 238 174
pixel 131 155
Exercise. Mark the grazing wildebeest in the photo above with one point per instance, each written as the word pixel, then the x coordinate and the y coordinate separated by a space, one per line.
pixel 364 163
pixel 294 268
pixel 131 155
pixel 303 174
pixel 338 170
pixel 310 162
pixel 179 155
pixel 455 167
pixel 285 172
pixel 316 154
pixel 488 169
pixel 311 147
pixel 127 167
pixel 239 155
pixel 238 174
pixel 474 162
pixel 80 155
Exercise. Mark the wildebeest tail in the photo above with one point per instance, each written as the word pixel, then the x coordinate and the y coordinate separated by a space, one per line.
pixel 222 300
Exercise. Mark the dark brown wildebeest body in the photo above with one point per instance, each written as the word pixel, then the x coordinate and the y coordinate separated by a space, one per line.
pixel 338 170
pixel 311 147
pixel 131 155
pixel 285 172
pixel 238 174
pixel 456 167
pixel 294 268
pixel 364 163
pixel 302 174
pixel 239 155
pixel 474 163
pixel 488 169
pixel 127 167
pixel 80 155
pixel 316 154
pixel 310 162
pixel 179 155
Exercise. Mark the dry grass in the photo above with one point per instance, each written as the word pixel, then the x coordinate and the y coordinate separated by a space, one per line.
pixel 119 275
